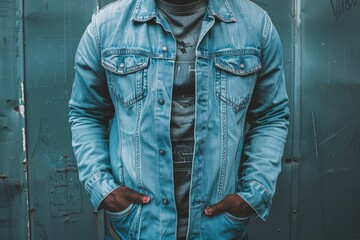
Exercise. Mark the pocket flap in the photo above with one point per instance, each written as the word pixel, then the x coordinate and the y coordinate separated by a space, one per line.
pixel 125 64
pixel 239 62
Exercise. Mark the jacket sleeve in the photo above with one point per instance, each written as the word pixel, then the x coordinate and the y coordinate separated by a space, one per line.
pixel 90 112
pixel 268 119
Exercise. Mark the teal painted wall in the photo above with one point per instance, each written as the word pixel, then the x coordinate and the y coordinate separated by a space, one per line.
pixel 13 185
pixel 318 193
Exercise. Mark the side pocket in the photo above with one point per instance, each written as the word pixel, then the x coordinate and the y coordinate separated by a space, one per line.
pixel 234 219
pixel 225 226
pixel 122 213
pixel 120 223
pixel 112 233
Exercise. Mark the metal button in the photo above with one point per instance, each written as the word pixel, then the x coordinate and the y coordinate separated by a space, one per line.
pixel 165 201
pixel 161 101
pixel 122 65
pixel 162 152
pixel 242 65
pixel 164 48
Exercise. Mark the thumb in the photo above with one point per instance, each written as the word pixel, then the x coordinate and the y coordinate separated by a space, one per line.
pixel 136 197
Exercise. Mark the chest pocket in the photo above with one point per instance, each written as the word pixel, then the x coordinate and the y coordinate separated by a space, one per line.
pixel 236 73
pixel 127 75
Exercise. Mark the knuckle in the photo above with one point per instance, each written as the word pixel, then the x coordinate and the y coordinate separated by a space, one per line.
pixel 139 198
pixel 136 197
pixel 215 209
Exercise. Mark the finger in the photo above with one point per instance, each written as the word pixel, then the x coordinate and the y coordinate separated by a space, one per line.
pixel 219 207
pixel 136 197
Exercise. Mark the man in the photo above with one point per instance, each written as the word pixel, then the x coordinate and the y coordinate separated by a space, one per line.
pixel 162 93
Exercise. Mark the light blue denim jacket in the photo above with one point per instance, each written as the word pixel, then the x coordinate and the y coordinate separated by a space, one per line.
pixel 120 112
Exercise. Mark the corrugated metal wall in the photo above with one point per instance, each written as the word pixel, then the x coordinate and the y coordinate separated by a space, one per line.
pixel 58 207
pixel 318 193
pixel 329 186
pixel 13 184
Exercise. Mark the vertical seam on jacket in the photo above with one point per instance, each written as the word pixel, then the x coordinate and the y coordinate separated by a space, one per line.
pixel 98 40
pixel 96 34
pixel 266 31
pixel 136 10
pixel 229 9
pixel 137 149
pixel 223 145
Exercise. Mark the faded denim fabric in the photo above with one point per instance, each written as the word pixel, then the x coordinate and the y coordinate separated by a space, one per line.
pixel 120 112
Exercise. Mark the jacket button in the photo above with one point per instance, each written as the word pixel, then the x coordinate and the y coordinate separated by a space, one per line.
pixel 162 152
pixel 122 65
pixel 164 48
pixel 165 201
pixel 161 101
pixel 242 65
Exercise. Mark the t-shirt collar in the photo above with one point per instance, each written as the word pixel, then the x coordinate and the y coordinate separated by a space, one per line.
pixel 146 10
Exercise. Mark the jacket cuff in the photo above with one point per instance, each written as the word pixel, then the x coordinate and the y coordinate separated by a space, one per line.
pixel 99 186
pixel 258 197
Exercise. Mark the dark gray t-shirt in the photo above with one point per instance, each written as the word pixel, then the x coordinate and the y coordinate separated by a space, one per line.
pixel 185 21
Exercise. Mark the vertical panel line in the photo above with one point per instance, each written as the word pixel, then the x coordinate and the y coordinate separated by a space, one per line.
pixel 20 54
pixel 296 119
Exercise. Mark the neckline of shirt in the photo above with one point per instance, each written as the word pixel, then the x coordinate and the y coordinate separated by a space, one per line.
pixel 188 8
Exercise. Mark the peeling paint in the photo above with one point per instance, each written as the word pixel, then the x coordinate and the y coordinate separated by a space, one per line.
pixel 22 99
pixel 3 176
pixel 24 139
pixel 22 110
pixel 28 226
pixel 97 5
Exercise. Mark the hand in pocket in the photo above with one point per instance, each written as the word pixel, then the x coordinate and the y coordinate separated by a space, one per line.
pixel 233 204
pixel 121 198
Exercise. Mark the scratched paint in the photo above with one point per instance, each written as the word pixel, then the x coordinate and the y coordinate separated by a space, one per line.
pixel 330 128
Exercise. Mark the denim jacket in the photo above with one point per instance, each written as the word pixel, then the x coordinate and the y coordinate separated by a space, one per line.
pixel 120 112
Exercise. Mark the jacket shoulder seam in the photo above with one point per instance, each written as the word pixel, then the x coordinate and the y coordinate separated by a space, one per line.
pixel 266 30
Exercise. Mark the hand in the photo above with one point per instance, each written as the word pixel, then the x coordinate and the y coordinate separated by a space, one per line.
pixel 233 204
pixel 121 198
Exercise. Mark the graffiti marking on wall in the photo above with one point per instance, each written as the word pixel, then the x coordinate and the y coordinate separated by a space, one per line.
pixel 341 7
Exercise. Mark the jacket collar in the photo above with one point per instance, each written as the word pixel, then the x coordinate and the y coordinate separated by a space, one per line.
pixel 146 10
